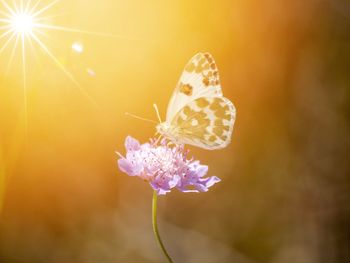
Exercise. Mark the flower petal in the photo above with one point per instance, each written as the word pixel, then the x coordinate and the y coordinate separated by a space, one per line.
pixel 131 144
pixel 210 181
pixel 165 167
pixel 201 187
pixel 202 170
pixel 129 168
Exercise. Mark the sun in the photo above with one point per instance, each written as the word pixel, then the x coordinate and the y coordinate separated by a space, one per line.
pixel 22 23
pixel 23 26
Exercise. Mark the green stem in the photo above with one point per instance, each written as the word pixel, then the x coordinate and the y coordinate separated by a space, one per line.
pixel 155 227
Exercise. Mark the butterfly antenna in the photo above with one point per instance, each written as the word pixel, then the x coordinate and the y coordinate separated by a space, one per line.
pixel 157 111
pixel 138 117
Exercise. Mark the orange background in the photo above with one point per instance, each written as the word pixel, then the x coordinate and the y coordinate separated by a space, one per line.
pixel 283 195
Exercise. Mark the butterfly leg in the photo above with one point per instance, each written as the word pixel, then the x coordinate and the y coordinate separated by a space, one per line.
pixel 158 139
pixel 170 143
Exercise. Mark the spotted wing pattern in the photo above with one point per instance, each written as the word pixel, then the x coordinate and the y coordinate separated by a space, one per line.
pixel 206 122
pixel 200 78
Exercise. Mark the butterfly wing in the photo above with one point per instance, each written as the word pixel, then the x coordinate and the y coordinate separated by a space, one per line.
pixel 200 78
pixel 206 122
pixel 198 113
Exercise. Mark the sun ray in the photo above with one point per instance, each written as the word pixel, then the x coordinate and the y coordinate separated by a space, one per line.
pixel 6 33
pixel 5 20
pixel 14 4
pixel 5 14
pixel 62 67
pixel 9 64
pixel 49 53
pixel 24 77
pixel 8 7
pixel 7 42
pixel 75 30
pixel 33 8
pixel 5 27
pixel 40 32
pixel 26 9
pixel 33 49
pixel 42 18
pixel 26 26
pixel 45 8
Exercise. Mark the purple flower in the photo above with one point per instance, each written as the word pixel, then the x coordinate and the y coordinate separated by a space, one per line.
pixel 165 167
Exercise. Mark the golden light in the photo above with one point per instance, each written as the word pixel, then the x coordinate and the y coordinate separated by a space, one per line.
pixel 22 23
pixel 25 21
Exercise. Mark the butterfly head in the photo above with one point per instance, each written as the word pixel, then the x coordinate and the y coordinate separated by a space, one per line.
pixel 163 128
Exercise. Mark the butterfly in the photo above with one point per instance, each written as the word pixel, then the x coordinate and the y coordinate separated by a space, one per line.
pixel 198 114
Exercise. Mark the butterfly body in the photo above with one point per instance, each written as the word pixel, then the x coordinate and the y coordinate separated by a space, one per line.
pixel 198 114
pixel 169 131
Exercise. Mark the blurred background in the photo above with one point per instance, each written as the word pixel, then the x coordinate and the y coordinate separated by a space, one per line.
pixel 285 190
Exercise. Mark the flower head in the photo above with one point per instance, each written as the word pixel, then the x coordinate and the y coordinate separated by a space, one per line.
pixel 165 167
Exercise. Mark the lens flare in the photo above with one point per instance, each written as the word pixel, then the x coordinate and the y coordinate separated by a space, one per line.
pixel 77 47
pixel 24 25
